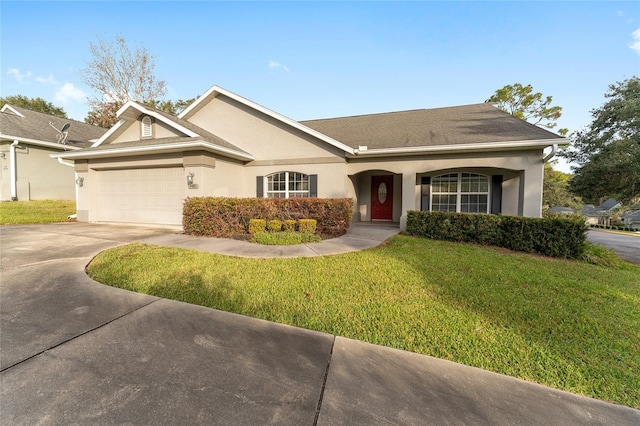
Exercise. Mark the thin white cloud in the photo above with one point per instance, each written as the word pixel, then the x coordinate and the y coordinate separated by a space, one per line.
pixel 635 44
pixel 47 80
pixel 15 72
pixel 68 93
pixel 278 65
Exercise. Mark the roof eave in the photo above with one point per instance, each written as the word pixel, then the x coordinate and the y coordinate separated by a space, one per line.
pixel 153 149
pixel 462 148
pixel 39 142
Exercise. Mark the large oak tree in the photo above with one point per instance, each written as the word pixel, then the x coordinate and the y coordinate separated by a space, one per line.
pixel 607 153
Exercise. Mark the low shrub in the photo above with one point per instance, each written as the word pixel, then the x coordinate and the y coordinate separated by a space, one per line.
pixel 290 225
pixel 599 255
pixel 286 238
pixel 307 226
pixel 274 225
pixel 229 217
pixel 257 225
pixel 554 236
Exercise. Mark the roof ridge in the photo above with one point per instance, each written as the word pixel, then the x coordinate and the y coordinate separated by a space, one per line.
pixel 394 112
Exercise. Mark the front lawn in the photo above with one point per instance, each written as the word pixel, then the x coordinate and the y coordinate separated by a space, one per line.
pixel 565 324
pixel 21 212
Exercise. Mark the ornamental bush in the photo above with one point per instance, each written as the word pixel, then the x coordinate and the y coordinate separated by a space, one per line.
pixel 290 225
pixel 553 236
pixel 229 217
pixel 274 225
pixel 307 226
pixel 257 225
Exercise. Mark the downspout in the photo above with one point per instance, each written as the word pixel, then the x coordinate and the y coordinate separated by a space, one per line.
pixel 554 149
pixel 13 171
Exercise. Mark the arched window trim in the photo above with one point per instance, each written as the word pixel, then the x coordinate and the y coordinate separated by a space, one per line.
pixel 459 192
pixel 146 127
pixel 287 185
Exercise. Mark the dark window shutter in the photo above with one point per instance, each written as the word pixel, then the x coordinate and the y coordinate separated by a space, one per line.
pixel 313 185
pixel 425 191
pixel 260 186
pixel 496 194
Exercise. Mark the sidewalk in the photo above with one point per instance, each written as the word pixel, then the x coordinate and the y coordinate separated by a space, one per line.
pixel 359 237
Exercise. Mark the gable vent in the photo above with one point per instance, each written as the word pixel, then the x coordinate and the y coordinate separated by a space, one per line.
pixel 146 130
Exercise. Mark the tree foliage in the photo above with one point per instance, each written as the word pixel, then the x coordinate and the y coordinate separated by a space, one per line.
pixel 34 104
pixel 607 153
pixel 103 115
pixel 555 190
pixel 172 107
pixel 521 101
pixel 118 74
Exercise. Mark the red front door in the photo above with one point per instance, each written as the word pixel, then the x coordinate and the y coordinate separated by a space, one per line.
pixel 382 197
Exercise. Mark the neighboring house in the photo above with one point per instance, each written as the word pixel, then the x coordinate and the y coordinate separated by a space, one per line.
pixel 600 215
pixel 473 158
pixel 561 210
pixel 27 139
pixel 632 219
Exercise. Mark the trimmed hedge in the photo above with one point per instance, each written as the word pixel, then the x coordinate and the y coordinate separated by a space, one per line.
pixel 228 217
pixel 556 237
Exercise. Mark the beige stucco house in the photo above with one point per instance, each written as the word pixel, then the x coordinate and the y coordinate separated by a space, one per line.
pixel 27 140
pixel 473 158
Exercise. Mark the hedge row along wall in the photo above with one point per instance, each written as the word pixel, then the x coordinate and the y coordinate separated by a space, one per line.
pixel 228 217
pixel 557 237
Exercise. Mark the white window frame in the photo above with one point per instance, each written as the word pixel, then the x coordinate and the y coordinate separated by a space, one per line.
pixel 458 193
pixel 289 181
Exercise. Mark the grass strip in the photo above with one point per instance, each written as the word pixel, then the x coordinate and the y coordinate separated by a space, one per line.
pixel 45 211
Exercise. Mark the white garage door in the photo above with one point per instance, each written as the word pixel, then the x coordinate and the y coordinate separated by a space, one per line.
pixel 141 195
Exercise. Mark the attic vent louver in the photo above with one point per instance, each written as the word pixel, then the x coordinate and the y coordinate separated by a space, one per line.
pixel 146 130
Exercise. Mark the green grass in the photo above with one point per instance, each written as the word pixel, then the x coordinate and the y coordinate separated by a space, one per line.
pixel 565 324
pixel 21 212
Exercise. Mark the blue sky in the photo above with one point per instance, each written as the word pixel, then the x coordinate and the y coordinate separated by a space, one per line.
pixel 311 60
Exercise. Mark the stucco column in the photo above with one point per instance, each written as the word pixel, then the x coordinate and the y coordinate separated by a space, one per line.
pixel 531 185
pixel 409 197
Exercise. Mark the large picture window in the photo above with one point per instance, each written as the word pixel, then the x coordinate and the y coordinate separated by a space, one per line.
pixel 287 185
pixel 460 192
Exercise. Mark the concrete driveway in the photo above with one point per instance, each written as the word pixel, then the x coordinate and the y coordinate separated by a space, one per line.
pixel 74 351
pixel 627 247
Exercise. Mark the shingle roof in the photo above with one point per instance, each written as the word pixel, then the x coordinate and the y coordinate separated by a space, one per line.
pixel 35 125
pixel 467 124
pixel 608 204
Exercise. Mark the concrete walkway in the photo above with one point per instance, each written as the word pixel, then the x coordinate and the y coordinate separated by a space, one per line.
pixel 359 237
pixel 73 351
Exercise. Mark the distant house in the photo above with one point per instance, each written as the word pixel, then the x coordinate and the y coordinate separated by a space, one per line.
pixel 632 219
pixel 27 138
pixel 469 159
pixel 600 215
pixel 561 210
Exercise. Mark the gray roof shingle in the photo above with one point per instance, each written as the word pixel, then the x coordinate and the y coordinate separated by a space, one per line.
pixel 467 124
pixel 35 125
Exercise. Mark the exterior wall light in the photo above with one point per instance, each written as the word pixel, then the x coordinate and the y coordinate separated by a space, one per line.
pixel 80 181
pixel 190 180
